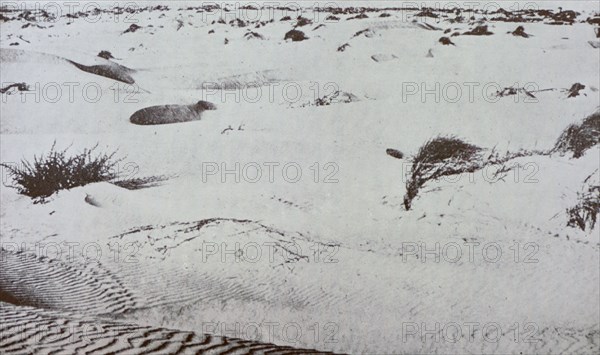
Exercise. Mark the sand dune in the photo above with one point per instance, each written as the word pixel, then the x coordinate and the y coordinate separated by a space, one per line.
pixel 26 330
pixel 41 282
pixel 105 68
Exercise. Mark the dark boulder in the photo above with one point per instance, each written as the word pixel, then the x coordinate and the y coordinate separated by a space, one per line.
pixel 166 114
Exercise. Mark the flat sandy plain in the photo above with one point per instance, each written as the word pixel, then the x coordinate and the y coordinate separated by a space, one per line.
pixel 269 218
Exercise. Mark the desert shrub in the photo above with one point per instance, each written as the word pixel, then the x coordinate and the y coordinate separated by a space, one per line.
pixel 295 36
pixel 585 213
pixel 577 138
pixel 441 156
pixel 445 156
pixel 56 171
pixel 303 21
pixel 479 31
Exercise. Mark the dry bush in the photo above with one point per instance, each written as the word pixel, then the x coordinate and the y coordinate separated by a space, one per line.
pixel 56 171
pixel 441 156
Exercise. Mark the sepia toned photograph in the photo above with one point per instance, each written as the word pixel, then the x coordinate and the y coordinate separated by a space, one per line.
pixel 300 177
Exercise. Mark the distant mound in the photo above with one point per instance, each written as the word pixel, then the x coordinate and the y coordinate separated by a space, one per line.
pixel 101 66
pixel 165 114
pixel 109 70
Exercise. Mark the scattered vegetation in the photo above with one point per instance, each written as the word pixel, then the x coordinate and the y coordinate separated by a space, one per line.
pixel 444 156
pixel 510 91
pixel 56 171
pixel 579 137
pixel 479 31
pixel 336 97
pixel 369 33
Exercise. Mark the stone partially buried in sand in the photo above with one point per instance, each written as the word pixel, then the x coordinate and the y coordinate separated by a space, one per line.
pixel 165 114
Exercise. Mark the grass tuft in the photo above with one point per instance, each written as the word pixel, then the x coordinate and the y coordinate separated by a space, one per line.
pixel 577 138
pixel 585 213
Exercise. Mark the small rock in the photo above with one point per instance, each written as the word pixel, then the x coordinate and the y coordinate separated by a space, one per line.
pixel 394 153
